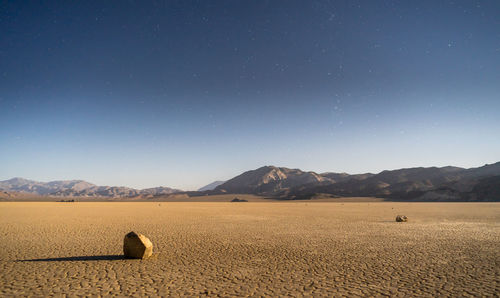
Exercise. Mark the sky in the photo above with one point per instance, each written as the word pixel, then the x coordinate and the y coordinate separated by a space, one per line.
pixel 182 93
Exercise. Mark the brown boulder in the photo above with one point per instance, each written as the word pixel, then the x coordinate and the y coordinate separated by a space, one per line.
pixel 401 218
pixel 137 246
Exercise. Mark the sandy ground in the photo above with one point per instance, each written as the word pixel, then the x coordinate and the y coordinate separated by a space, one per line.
pixel 227 249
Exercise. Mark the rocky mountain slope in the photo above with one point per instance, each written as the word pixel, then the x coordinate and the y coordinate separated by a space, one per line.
pixel 77 188
pixel 269 180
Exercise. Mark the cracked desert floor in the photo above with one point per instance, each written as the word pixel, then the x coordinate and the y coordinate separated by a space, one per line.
pixel 251 249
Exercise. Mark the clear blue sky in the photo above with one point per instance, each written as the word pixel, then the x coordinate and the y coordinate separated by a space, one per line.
pixel 186 92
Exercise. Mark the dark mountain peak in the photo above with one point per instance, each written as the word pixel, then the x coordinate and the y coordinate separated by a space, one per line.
pixel 420 171
pixel 491 166
pixel 486 170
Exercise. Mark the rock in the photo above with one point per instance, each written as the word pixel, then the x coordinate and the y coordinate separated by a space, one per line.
pixel 238 200
pixel 137 246
pixel 401 218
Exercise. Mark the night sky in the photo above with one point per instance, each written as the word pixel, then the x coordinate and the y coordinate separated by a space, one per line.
pixel 182 93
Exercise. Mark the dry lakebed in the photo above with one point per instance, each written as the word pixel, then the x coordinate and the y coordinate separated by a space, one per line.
pixel 251 249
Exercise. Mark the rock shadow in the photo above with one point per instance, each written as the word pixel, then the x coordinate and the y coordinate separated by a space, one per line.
pixel 79 258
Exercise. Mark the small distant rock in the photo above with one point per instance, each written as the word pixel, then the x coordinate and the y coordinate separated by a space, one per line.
pixel 401 218
pixel 238 200
pixel 137 246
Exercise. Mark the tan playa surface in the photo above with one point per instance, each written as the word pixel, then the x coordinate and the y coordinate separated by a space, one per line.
pixel 227 249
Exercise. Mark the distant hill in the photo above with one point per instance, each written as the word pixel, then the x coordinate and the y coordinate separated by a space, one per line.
pixel 77 188
pixel 423 184
pixel 42 188
pixel 211 186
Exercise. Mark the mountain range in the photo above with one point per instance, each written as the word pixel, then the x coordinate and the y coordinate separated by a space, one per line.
pixel 422 184
pixel 411 184
pixel 78 188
